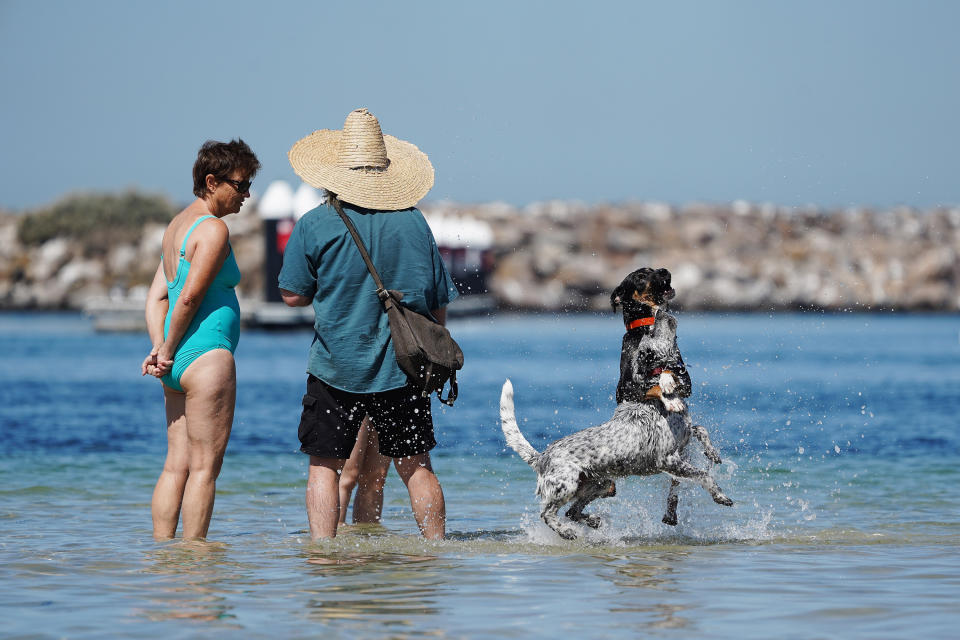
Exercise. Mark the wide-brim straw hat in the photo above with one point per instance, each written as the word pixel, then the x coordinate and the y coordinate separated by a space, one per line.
pixel 363 166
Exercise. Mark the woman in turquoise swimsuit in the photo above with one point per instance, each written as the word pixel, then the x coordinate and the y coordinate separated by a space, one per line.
pixel 194 324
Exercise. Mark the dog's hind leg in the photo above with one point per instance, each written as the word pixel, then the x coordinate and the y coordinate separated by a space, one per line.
pixel 708 449
pixel 549 515
pixel 589 491
pixel 576 514
pixel 680 468
pixel 670 517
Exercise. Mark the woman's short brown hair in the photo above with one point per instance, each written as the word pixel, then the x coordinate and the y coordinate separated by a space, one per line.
pixel 221 158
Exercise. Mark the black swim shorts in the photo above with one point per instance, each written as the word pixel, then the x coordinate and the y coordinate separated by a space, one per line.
pixel 331 420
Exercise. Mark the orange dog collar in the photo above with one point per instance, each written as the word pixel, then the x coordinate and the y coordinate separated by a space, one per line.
pixel 641 322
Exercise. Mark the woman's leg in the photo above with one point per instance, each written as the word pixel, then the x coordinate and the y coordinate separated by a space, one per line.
pixel 368 504
pixel 351 471
pixel 168 494
pixel 210 383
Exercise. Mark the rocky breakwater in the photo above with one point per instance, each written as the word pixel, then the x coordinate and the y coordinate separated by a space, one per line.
pixel 73 267
pixel 563 255
pixel 546 256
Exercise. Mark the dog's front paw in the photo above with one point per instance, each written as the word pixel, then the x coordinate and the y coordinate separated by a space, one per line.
pixel 712 455
pixel 667 382
pixel 720 498
pixel 567 533
pixel 674 405
pixel 592 521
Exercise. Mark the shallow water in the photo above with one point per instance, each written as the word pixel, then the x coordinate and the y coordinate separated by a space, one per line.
pixel 838 432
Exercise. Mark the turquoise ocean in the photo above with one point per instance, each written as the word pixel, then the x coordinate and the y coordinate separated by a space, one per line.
pixel 841 448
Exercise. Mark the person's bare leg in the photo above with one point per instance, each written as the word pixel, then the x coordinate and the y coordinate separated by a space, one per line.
pixel 168 494
pixel 352 470
pixel 368 503
pixel 426 495
pixel 210 383
pixel 323 496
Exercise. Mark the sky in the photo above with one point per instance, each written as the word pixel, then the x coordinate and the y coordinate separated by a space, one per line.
pixel 826 103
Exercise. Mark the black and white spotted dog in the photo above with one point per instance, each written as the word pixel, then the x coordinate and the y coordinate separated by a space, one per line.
pixel 650 427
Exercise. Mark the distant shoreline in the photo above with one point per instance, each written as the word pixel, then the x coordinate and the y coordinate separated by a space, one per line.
pixel 567 257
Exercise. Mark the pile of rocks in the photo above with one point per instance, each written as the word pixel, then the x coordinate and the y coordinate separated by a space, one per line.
pixel 568 255
pixel 65 274
pixel 562 255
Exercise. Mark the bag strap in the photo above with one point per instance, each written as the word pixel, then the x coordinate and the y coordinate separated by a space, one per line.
pixel 381 290
pixel 452 393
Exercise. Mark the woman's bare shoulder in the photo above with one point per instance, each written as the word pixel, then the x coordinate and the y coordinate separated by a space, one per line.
pixel 212 232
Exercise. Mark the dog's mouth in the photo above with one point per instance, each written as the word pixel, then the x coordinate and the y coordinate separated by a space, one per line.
pixel 654 300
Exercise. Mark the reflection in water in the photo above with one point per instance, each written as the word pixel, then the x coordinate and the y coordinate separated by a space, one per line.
pixel 656 575
pixel 196 589
pixel 406 588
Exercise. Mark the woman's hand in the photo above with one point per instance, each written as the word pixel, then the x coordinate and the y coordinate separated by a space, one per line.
pixel 164 361
pixel 156 365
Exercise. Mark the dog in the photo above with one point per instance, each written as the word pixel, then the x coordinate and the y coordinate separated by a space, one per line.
pixel 648 432
pixel 651 366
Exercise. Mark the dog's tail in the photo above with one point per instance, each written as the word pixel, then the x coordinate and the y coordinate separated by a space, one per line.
pixel 508 422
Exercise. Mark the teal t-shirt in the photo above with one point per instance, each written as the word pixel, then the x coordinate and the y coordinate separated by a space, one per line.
pixel 352 349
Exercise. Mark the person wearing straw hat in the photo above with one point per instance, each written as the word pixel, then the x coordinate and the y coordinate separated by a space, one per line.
pixel 352 369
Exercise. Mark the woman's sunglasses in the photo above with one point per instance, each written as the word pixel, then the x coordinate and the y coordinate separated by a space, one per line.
pixel 242 186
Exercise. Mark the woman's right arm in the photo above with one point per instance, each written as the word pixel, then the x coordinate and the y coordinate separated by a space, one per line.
pixel 156 313
pixel 213 245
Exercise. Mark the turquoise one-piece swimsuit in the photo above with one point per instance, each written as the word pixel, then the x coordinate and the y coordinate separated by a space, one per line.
pixel 216 324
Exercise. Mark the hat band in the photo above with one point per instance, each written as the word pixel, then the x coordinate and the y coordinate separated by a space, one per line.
pixel 371 168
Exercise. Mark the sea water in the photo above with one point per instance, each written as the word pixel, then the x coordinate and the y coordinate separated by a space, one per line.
pixel 839 435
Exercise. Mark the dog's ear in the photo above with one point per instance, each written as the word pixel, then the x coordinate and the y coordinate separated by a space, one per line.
pixel 616 297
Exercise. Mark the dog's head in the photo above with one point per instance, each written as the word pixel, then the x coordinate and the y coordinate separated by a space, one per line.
pixel 641 293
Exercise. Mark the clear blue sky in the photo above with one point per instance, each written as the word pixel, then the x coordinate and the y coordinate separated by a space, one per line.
pixel 819 102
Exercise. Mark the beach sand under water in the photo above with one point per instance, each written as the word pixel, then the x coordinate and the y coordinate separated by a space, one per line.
pixel 839 435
